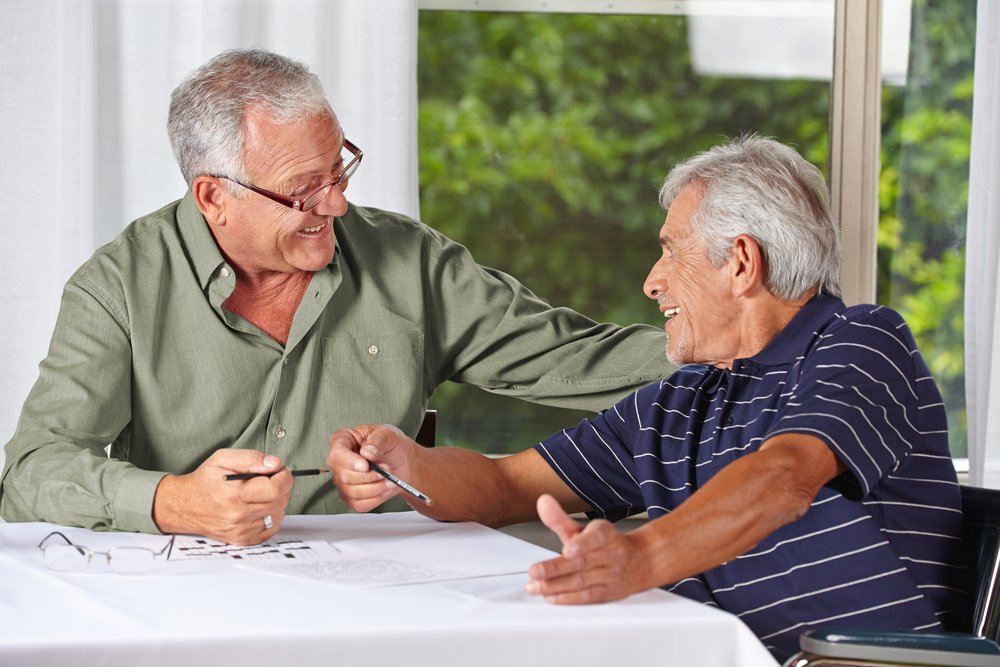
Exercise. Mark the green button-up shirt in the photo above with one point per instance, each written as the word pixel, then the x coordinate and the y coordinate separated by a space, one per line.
pixel 145 357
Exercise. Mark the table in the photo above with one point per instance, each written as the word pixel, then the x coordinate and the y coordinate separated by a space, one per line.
pixel 218 614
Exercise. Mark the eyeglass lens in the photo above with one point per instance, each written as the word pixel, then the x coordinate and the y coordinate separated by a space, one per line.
pixel 315 198
pixel 123 560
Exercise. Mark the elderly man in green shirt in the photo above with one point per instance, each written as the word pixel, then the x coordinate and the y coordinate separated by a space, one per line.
pixel 234 330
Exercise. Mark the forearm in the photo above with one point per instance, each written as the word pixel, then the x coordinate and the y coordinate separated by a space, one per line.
pixel 743 504
pixel 463 485
pixel 468 486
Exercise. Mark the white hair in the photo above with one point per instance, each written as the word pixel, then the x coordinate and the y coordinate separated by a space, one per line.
pixel 206 123
pixel 766 190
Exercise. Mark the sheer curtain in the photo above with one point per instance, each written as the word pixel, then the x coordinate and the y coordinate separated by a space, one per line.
pixel 84 108
pixel 982 262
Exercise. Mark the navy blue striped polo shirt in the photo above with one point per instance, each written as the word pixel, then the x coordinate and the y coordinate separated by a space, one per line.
pixel 880 545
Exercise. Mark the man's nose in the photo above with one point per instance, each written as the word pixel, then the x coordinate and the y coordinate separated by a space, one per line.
pixel 655 284
pixel 333 204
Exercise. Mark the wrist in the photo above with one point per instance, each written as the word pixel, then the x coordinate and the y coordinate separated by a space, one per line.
pixel 658 567
pixel 165 506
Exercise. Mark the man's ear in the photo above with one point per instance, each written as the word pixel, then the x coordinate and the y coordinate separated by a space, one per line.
pixel 208 195
pixel 749 268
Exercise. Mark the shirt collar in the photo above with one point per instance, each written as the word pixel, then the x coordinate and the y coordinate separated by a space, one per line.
pixel 201 247
pixel 793 340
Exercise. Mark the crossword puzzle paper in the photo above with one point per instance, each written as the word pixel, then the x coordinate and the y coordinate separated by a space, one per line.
pixel 190 547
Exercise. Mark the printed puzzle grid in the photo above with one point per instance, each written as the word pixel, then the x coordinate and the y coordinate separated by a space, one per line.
pixel 191 547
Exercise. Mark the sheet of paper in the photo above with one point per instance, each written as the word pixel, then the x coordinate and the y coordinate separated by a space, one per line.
pixel 191 547
pixel 357 571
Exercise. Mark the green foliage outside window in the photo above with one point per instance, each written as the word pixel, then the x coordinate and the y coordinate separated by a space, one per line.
pixel 923 194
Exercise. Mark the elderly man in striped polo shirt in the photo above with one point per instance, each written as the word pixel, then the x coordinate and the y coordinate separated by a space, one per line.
pixel 795 469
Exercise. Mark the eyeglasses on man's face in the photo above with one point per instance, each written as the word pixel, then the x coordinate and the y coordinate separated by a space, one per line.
pixel 62 555
pixel 312 199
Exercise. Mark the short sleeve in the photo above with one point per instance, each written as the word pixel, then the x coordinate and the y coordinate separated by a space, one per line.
pixel 596 458
pixel 863 388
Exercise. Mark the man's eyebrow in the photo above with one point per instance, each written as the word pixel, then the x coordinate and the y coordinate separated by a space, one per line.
pixel 297 180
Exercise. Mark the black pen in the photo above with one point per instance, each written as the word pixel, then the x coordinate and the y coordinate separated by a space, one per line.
pixel 295 473
pixel 401 484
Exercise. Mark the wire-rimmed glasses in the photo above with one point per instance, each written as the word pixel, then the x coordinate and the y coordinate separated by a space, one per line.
pixel 312 199
pixel 66 556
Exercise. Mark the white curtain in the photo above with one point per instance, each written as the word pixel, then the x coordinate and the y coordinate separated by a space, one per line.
pixel 982 261
pixel 84 150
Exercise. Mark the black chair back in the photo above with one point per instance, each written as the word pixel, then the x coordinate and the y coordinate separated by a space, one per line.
pixel 981 510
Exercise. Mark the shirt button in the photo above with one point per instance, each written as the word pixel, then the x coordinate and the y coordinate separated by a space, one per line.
pixel 729 421
pixel 224 272
pixel 279 432
pixel 373 350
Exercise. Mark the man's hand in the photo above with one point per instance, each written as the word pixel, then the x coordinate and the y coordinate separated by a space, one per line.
pixel 351 450
pixel 203 502
pixel 598 563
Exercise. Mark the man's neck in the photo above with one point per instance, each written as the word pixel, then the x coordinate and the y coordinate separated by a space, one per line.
pixel 765 317
pixel 269 302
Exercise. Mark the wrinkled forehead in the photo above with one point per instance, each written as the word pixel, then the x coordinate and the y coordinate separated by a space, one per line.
pixel 272 145
pixel 677 223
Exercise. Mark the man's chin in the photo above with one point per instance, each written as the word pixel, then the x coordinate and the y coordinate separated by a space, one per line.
pixel 314 262
pixel 677 358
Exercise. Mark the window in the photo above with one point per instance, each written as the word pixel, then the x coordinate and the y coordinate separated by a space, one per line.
pixel 923 187
pixel 546 128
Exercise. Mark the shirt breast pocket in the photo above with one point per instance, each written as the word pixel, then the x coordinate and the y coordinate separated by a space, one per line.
pixel 378 376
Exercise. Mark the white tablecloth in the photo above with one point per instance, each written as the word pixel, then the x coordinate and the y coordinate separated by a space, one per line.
pixel 217 614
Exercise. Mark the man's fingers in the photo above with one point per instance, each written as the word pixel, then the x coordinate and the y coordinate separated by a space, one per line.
pixel 381 443
pixel 584 596
pixel 362 491
pixel 266 490
pixel 593 567
pixel 564 581
pixel 344 446
pixel 592 538
pixel 245 460
pixel 554 568
pixel 352 448
pixel 551 513
pixel 352 451
pixel 587 552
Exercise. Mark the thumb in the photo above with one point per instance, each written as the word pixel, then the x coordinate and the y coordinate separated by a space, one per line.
pixel 551 513
pixel 246 460
pixel 383 445
pixel 345 448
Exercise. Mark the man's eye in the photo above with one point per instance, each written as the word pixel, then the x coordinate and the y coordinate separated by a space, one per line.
pixel 304 190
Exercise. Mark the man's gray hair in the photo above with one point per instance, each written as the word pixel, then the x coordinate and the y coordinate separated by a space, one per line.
pixel 207 110
pixel 764 189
